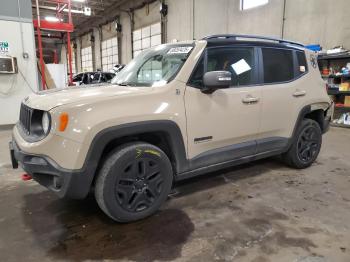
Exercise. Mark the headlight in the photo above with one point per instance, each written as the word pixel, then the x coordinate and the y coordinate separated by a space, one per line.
pixel 45 122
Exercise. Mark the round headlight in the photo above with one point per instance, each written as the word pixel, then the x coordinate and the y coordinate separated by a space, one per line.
pixel 45 122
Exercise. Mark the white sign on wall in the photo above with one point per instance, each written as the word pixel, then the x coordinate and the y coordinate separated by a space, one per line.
pixel 4 47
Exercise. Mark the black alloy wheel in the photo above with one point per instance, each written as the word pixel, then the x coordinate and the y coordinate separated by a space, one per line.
pixel 308 144
pixel 305 145
pixel 135 179
pixel 139 184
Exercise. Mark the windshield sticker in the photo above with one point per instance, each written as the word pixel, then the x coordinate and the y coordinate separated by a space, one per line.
pixel 240 67
pixel 180 50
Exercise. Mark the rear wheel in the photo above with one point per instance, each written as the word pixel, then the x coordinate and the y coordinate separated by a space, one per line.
pixel 307 145
pixel 134 181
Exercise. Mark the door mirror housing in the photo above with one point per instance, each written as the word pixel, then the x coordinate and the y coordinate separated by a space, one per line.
pixel 216 80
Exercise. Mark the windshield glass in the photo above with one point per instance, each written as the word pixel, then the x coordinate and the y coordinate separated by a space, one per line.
pixel 154 67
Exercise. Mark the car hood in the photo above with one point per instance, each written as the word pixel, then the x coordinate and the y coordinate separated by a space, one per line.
pixel 49 99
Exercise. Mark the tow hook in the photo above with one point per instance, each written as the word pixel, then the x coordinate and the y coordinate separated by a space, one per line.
pixel 26 177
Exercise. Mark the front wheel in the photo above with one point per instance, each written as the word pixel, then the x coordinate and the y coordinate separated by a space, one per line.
pixel 134 181
pixel 306 145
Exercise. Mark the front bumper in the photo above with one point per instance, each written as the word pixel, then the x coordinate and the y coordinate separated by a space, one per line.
pixel 65 183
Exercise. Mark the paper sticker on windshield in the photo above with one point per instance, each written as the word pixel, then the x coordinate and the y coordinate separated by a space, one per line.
pixel 180 50
pixel 240 67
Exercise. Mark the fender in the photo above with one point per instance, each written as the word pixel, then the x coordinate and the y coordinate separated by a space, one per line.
pixel 170 129
pixel 76 183
pixel 303 112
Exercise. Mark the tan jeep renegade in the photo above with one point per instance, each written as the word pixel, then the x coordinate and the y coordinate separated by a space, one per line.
pixel 175 111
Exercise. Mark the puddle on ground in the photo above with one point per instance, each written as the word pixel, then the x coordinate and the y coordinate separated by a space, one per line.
pixel 78 230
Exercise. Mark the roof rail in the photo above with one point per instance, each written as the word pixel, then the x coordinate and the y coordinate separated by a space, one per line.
pixel 234 37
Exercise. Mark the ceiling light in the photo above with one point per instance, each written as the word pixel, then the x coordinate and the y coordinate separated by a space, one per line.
pixel 74 11
pixel 80 1
pixel 52 19
pixel 87 11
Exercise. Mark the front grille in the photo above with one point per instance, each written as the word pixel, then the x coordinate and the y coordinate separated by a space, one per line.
pixel 25 117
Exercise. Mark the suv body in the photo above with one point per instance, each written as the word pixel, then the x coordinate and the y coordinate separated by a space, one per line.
pixel 187 108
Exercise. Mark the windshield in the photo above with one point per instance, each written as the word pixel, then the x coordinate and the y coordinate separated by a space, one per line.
pixel 154 67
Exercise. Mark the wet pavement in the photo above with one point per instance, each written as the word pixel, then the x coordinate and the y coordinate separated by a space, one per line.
pixel 260 212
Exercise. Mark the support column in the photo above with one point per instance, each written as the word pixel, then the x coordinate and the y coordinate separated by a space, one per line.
pixel 78 55
pixel 97 48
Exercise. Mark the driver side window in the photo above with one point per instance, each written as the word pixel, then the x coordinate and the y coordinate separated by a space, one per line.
pixel 238 61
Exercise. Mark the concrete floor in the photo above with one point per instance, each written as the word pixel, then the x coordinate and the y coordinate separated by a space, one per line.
pixel 258 212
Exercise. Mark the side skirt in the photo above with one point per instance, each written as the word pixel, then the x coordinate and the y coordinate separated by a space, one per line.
pixel 231 163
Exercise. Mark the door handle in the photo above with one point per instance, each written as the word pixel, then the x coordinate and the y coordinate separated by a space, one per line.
pixel 298 93
pixel 250 99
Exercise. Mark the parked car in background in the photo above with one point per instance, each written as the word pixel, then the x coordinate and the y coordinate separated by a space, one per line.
pixel 117 68
pixel 88 78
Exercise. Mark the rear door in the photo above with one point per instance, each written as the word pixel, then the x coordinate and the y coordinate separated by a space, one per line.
pixel 284 92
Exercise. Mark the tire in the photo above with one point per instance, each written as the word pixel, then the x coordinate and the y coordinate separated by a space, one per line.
pixel 134 181
pixel 306 146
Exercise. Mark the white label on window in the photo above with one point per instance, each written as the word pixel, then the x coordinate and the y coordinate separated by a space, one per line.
pixel 302 69
pixel 240 67
pixel 180 50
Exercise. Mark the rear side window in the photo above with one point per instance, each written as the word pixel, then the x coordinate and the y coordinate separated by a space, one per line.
pixel 301 63
pixel 278 65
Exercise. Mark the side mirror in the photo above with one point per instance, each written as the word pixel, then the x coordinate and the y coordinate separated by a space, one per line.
pixel 216 80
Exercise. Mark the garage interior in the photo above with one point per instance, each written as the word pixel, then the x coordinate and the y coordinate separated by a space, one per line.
pixel 259 211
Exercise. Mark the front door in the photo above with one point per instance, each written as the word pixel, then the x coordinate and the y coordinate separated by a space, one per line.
pixel 223 125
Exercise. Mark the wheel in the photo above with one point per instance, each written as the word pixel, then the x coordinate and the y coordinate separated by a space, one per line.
pixel 307 145
pixel 133 182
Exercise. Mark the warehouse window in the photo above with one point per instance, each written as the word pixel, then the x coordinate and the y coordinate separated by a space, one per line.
pixel 86 59
pixel 278 65
pixel 146 37
pixel 248 4
pixel 109 53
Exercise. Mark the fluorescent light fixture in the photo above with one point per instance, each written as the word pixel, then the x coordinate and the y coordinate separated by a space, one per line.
pixel 87 11
pixel 248 4
pixel 80 1
pixel 74 11
pixel 52 19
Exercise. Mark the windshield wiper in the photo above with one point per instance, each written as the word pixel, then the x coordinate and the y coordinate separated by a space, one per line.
pixel 122 84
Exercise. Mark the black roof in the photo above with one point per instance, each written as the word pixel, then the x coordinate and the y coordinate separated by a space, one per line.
pixel 228 39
